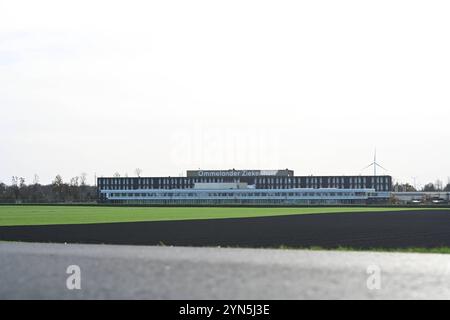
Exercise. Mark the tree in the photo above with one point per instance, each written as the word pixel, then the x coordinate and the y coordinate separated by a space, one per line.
pixel 15 187
pixel 36 179
pixel 74 181
pixel 83 178
pixel 138 172
pixel 58 186
pixel 429 187
pixel 58 180
pixel 116 175
pixel 447 187
pixel 404 187
pixel 438 185
pixel 57 191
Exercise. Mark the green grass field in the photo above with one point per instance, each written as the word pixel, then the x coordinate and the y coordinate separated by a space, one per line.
pixel 45 215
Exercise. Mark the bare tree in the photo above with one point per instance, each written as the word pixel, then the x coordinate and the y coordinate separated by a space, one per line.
pixel 58 187
pixel 57 191
pixel 429 187
pixel 404 187
pixel 116 175
pixel 438 185
pixel 58 180
pixel 74 181
pixel 83 178
pixel 15 187
pixel 138 172
pixel 36 179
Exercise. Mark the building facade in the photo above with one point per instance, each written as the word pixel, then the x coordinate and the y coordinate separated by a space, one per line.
pixel 243 187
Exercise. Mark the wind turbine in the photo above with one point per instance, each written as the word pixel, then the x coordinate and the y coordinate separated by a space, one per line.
pixel 375 164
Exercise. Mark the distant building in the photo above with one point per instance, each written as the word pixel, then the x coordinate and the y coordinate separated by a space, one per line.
pixel 215 187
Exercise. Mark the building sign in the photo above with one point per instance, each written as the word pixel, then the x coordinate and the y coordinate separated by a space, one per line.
pixel 238 173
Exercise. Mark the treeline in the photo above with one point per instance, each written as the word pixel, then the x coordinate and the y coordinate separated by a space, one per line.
pixel 76 190
pixel 437 186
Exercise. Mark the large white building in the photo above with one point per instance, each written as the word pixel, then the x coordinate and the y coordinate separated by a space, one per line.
pixel 246 187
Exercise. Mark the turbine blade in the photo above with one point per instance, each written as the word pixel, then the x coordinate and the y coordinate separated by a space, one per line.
pixel 370 165
pixel 381 167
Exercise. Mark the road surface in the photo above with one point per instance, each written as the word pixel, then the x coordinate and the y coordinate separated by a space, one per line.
pixel 38 271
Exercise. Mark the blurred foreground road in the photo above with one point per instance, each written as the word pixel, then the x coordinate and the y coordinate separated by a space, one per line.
pixel 38 271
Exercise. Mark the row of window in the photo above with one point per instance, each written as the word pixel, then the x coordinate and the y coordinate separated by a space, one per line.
pixel 164 181
pixel 262 180
pixel 165 187
pixel 236 194
pixel 215 202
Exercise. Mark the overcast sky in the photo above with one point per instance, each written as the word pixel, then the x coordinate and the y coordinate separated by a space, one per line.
pixel 104 87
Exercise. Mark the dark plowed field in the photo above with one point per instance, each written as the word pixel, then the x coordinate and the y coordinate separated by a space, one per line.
pixel 359 230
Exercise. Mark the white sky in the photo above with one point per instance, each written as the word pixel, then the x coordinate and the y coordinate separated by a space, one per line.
pixel 314 86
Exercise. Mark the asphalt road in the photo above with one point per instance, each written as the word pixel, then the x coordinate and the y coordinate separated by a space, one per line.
pixel 358 230
pixel 38 271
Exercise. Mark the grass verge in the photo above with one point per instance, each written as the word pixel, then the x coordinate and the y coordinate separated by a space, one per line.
pixel 441 250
